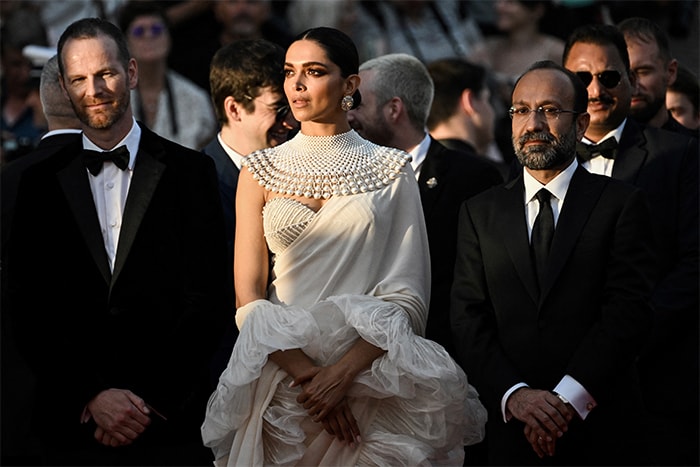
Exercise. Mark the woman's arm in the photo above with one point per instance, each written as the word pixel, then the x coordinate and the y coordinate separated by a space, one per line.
pixel 250 269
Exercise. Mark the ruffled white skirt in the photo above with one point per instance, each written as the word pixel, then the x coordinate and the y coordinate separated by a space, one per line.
pixel 414 406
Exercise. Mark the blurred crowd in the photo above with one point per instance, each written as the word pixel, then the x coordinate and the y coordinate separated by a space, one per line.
pixel 174 52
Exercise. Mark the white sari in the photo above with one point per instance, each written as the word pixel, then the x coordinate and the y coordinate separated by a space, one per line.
pixel 357 268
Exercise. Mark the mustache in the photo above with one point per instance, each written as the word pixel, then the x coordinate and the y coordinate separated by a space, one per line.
pixel 602 100
pixel 539 136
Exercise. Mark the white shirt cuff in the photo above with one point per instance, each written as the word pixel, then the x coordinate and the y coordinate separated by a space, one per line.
pixel 505 397
pixel 577 396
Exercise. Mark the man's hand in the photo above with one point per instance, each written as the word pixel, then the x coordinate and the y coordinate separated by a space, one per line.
pixel 545 416
pixel 120 415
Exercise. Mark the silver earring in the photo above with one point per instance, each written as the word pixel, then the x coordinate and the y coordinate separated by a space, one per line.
pixel 347 103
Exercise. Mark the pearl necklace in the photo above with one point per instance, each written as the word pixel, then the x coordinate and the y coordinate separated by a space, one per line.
pixel 324 166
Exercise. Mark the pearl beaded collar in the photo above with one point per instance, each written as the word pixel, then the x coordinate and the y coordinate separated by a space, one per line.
pixel 324 166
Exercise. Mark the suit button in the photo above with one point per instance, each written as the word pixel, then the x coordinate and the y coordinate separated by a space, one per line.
pixel 114 311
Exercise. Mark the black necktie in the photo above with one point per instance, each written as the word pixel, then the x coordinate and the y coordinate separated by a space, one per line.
pixel 542 232
pixel 607 149
pixel 94 160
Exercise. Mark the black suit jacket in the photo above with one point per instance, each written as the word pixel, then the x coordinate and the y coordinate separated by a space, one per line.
pixel 150 326
pixel 589 321
pixel 665 166
pixel 227 173
pixel 17 381
pixel 446 179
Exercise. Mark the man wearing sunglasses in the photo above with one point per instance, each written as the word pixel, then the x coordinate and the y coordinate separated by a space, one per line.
pixel 246 82
pixel 665 165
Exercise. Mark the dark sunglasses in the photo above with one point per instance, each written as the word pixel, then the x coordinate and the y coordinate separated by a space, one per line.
pixel 608 78
pixel 155 29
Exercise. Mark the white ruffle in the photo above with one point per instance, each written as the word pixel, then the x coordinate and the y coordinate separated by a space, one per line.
pixel 410 404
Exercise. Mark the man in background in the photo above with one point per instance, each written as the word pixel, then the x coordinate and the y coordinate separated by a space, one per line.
pixel 246 79
pixel 461 116
pixel 654 69
pixel 18 444
pixel 397 93
pixel 664 165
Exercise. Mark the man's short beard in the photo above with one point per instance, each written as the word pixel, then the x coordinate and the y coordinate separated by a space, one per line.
pixel 545 156
pixel 649 111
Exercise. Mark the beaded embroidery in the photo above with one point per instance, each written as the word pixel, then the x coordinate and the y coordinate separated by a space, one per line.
pixel 324 166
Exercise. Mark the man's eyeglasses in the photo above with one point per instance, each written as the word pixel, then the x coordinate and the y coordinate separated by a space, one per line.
pixel 155 29
pixel 281 110
pixel 281 113
pixel 608 78
pixel 520 114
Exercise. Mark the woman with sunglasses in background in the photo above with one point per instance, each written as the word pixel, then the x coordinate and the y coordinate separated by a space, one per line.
pixel 165 101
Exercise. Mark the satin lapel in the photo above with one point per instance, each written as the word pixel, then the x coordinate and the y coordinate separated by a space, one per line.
pixel 631 154
pixel 432 174
pixel 514 231
pixel 581 198
pixel 147 173
pixel 74 181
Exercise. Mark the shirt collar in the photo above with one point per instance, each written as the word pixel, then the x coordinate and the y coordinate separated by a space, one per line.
pixel 233 155
pixel 420 152
pixel 616 133
pixel 557 186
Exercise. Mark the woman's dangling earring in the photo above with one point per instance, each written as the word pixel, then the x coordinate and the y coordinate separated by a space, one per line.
pixel 347 103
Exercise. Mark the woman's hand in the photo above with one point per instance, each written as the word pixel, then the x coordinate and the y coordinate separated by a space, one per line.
pixel 322 389
pixel 339 421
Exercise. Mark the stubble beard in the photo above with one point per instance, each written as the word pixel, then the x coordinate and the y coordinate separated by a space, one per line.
pixel 104 119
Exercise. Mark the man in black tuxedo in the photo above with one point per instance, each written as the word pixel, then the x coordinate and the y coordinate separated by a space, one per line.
pixel 665 166
pixel 18 444
pixel 246 80
pixel 119 305
pixel 550 303
pixel 461 116
pixel 397 93
pixel 654 69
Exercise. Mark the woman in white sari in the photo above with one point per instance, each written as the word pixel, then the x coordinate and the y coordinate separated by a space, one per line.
pixel 329 367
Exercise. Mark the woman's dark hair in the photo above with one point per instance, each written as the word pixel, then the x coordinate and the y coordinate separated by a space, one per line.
pixel 340 50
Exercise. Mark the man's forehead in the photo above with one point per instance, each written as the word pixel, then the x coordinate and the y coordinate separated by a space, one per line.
pixel 590 53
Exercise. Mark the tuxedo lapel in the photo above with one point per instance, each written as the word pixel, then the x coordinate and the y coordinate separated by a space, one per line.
pixel 581 198
pixel 631 154
pixel 515 237
pixel 430 180
pixel 74 182
pixel 147 173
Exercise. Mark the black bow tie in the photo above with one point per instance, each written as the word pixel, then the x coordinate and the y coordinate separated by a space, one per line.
pixel 607 149
pixel 94 160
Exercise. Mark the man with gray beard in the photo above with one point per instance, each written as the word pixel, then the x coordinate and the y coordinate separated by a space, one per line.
pixel 550 302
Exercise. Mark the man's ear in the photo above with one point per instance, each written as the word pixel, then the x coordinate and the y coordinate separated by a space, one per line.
pixel 466 101
pixel 233 109
pixel 393 109
pixel 672 71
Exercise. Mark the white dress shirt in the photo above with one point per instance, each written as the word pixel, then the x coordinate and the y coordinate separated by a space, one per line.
pixel 419 154
pixel 110 188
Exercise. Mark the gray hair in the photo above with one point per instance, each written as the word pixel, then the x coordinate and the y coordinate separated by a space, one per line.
pixel 404 76
pixel 53 101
